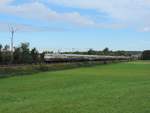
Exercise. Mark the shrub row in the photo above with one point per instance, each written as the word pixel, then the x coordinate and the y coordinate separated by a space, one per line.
pixel 19 70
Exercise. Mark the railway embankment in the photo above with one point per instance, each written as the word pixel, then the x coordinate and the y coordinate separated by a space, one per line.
pixel 21 70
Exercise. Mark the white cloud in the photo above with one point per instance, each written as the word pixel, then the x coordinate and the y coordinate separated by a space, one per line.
pixel 145 29
pixel 36 10
pixel 4 26
pixel 2 2
pixel 133 13
pixel 115 8
pixel 129 12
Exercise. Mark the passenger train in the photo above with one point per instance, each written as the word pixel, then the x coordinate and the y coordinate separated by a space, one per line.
pixel 49 58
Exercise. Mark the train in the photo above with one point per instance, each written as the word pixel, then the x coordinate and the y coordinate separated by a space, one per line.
pixel 51 58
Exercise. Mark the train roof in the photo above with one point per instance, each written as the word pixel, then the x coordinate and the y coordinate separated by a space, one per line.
pixel 78 55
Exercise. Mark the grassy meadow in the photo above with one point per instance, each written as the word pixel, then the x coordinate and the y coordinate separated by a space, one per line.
pixel 111 88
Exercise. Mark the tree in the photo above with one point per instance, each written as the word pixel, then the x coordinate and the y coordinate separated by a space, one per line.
pixel 121 53
pixel 25 53
pixel 91 52
pixel 146 55
pixel 17 56
pixel 35 55
pixel 106 51
pixel 6 55
pixel 21 55
pixel 1 56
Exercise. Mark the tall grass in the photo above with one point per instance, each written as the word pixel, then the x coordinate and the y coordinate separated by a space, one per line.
pixel 7 71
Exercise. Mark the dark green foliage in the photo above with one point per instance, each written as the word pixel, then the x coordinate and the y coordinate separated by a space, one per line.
pixel 35 56
pixel 106 51
pixel 122 53
pixel 1 56
pixel 21 55
pixel 6 55
pixel 91 52
pixel 17 56
pixel 146 55
pixel 25 53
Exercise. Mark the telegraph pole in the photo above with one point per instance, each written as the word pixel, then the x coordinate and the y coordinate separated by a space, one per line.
pixel 12 30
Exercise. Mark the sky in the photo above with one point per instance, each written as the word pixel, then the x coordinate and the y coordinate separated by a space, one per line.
pixel 67 25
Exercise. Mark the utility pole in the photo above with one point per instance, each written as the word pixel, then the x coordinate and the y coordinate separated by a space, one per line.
pixel 12 30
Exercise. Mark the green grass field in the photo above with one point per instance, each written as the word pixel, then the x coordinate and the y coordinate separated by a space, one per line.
pixel 113 88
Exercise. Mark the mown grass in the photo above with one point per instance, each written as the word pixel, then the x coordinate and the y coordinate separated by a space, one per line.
pixel 113 88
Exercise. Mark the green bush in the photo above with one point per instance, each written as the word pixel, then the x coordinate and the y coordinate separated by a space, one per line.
pixel 146 55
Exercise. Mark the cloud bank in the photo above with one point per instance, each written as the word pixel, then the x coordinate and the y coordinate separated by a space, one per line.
pixel 123 13
pixel 135 13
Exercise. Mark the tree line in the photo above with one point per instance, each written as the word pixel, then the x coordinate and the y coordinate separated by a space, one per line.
pixel 146 55
pixel 106 51
pixel 21 55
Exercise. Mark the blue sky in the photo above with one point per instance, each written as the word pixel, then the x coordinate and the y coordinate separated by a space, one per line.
pixel 63 24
